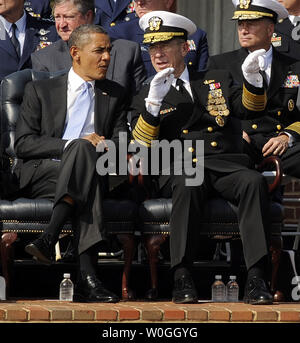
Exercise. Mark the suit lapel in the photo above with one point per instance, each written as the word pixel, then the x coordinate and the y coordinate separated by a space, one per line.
pixel 30 41
pixel 6 44
pixel 119 6
pixel 101 107
pixel 105 6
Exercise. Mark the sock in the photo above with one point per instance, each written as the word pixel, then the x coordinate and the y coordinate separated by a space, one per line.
pixel 61 212
pixel 88 261
pixel 180 270
pixel 259 269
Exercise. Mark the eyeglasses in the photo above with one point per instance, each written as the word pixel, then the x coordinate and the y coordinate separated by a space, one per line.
pixel 164 47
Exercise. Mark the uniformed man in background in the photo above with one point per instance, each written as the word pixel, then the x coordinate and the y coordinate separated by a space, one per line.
pixel 278 132
pixel 20 35
pixel 187 106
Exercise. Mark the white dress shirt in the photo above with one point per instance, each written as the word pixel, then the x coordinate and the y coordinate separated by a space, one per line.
pixel 75 84
pixel 20 31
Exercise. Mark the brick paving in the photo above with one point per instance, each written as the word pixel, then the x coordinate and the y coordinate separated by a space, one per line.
pixel 32 311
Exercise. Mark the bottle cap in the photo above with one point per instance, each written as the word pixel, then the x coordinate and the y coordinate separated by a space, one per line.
pixel 67 275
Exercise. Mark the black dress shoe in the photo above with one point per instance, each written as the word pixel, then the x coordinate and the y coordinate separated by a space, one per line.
pixel 184 291
pixel 90 289
pixel 42 249
pixel 257 292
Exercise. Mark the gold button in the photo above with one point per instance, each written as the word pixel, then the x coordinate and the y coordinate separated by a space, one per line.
pixel 195 160
pixel 213 144
pixel 278 127
pixel 190 63
pixel 112 24
pixel 185 131
pixel 191 149
pixel 210 129
pixel 279 113
pixel 254 126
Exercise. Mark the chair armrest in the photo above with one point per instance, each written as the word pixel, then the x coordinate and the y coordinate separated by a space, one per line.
pixel 275 163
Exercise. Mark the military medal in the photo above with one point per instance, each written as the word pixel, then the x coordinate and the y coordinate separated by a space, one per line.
pixel 292 81
pixel 291 105
pixel 216 103
pixel 220 121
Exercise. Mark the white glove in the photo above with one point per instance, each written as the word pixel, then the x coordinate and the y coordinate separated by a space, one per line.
pixel 159 87
pixel 253 63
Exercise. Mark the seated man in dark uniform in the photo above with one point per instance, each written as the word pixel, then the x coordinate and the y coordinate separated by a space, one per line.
pixel 20 35
pixel 184 106
pixel 62 120
pixel 278 131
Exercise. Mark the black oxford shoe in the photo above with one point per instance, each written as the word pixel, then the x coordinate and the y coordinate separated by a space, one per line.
pixel 42 249
pixel 257 292
pixel 90 289
pixel 184 291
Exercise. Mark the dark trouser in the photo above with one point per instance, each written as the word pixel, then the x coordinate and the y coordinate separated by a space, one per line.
pixel 75 175
pixel 247 189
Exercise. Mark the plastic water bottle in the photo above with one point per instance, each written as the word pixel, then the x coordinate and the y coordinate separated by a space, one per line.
pixel 232 289
pixel 66 289
pixel 218 290
pixel 2 288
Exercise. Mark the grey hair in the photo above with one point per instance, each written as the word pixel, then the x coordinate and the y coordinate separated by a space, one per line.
pixel 81 35
pixel 83 6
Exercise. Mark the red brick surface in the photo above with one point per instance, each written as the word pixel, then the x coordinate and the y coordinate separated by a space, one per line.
pixel 56 311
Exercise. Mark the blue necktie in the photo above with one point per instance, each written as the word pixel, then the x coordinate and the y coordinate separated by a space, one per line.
pixel 78 113
pixel 14 39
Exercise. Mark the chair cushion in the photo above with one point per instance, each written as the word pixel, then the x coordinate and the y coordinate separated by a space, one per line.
pixel 32 215
pixel 219 217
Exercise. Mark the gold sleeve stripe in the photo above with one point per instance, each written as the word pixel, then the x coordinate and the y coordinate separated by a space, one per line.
pixel 141 141
pixel 254 102
pixel 145 132
pixel 294 127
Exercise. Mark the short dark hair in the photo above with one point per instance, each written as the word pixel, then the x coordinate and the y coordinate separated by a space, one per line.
pixel 81 35
pixel 83 6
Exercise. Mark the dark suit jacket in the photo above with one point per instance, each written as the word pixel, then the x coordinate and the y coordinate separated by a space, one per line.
pixel 196 58
pixel 38 33
pixel 126 66
pixel 41 123
pixel 281 105
pixel 283 40
pixel 182 120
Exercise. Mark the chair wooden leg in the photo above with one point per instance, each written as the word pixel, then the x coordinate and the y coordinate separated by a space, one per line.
pixel 128 243
pixel 276 248
pixel 152 244
pixel 6 251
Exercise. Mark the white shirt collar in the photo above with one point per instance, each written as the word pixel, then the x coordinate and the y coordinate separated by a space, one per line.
pixel 294 19
pixel 21 23
pixel 75 81
pixel 185 77
pixel 269 56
